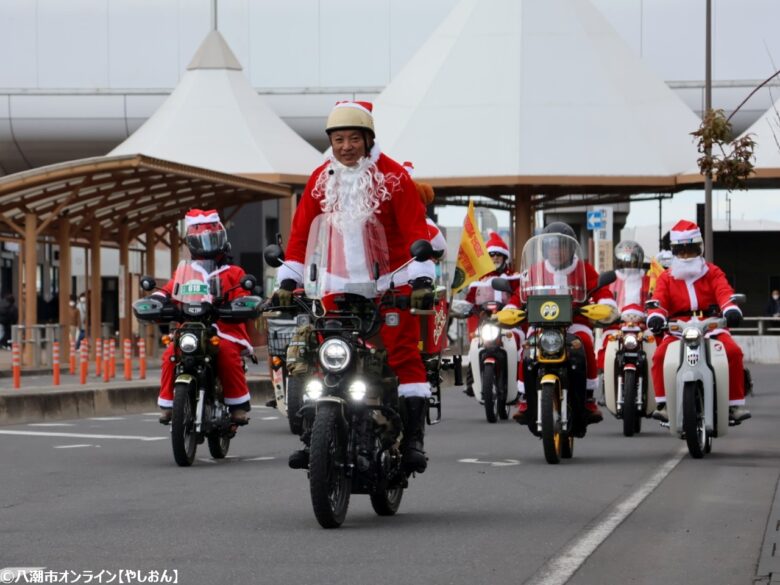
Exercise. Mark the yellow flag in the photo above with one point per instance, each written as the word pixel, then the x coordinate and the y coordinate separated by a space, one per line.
pixel 473 258
pixel 654 272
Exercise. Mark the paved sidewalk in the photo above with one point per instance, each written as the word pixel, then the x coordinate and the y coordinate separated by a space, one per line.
pixel 39 400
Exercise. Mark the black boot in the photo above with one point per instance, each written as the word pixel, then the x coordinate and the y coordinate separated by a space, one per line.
pixel 299 459
pixel 469 391
pixel 413 410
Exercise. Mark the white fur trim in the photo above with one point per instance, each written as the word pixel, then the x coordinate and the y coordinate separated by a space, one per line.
pixel 685 236
pixel 521 387
pixel 592 384
pixel 415 390
pixel 609 302
pixel 239 400
pixel 287 271
pixel 229 337
pixel 737 402
pixel 164 403
pixel 190 220
pixel 628 313
pixel 579 327
pixel 660 399
pixel 418 269
pixel 498 249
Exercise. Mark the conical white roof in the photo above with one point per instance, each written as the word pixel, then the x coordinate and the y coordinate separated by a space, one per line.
pixel 215 120
pixel 533 92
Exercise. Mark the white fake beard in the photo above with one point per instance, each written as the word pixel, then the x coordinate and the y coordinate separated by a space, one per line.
pixel 352 194
pixel 687 268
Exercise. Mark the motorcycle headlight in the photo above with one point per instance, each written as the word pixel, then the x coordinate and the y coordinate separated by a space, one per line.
pixel 357 390
pixel 188 343
pixel 691 334
pixel 489 332
pixel 551 342
pixel 630 342
pixel 335 354
pixel 314 389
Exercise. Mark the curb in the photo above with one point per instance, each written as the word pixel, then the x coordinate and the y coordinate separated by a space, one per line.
pixel 47 405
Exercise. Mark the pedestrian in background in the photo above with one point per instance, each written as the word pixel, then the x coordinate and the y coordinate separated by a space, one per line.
pixel 9 315
pixel 81 306
pixel 773 306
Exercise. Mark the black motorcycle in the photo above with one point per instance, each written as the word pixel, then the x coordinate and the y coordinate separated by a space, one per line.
pixel 353 419
pixel 199 411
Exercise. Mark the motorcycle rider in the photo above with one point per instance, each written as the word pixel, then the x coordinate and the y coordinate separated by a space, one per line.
pixel 207 239
pixel 630 287
pixel 358 183
pixel 561 263
pixel 499 255
pixel 692 284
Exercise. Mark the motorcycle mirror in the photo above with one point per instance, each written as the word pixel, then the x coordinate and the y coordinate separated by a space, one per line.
pixel 249 282
pixel 606 278
pixel 148 283
pixel 738 298
pixel 652 304
pixel 273 255
pixel 421 250
pixel 501 284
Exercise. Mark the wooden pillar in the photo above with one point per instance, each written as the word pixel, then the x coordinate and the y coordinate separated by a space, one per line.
pixel 175 247
pixel 95 288
pixel 522 224
pixel 151 337
pixel 30 278
pixel 286 214
pixel 63 241
pixel 125 294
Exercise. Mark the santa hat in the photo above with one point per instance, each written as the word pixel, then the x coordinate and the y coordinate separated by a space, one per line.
pixel 685 232
pixel 198 216
pixel 435 236
pixel 409 168
pixel 496 244
pixel 348 114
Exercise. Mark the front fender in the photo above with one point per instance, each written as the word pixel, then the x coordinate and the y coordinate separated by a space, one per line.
pixel 340 402
pixel 185 379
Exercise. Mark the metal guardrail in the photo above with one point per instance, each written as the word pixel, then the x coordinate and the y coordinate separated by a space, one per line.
pixel 758 326
pixel 41 341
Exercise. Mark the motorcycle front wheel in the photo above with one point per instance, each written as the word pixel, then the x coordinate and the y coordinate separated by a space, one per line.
pixel 184 439
pixel 552 438
pixel 630 415
pixel 489 394
pixel 696 436
pixel 328 482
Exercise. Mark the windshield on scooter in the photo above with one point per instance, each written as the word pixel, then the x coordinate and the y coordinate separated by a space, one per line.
pixel 196 282
pixel 629 291
pixel 345 258
pixel 485 293
pixel 551 265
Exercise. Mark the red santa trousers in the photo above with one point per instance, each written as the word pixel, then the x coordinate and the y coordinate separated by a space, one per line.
pixel 403 354
pixel 733 355
pixel 230 369
pixel 585 335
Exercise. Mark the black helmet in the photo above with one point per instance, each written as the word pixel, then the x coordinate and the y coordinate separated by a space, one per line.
pixel 629 254
pixel 567 246
pixel 207 240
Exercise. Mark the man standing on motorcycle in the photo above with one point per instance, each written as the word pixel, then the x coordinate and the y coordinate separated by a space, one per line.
pixel 692 284
pixel 358 183
pixel 499 254
pixel 560 267
pixel 208 244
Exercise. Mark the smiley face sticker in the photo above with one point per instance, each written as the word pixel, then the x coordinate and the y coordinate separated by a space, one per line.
pixel 550 310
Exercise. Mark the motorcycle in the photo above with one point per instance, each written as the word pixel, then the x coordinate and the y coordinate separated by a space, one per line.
pixel 553 358
pixel 352 423
pixel 628 386
pixel 199 412
pixel 696 377
pixel 493 357
pixel 288 391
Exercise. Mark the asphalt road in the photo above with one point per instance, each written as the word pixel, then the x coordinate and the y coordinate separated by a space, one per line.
pixel 95 495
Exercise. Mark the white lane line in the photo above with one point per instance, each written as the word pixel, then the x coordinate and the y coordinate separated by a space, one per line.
pixel 269 418
pixel 560 569
pixel 51 425
pixel 81 436
pixel 106 418
pixel 72 446
pixel 260 459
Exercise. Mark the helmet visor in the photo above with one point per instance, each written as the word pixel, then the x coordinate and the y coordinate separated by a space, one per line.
pixel 206 238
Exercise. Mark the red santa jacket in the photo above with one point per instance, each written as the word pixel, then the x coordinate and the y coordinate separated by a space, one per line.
pixel 402 216
pixel 631 291
pixel 229 277
pixel 677 297
pixel 544 273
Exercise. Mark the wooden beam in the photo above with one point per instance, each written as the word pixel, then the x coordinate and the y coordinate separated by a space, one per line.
pixel 13 225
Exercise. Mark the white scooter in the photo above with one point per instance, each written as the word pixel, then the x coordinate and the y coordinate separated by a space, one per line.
pixel 288 391
pixel 696 377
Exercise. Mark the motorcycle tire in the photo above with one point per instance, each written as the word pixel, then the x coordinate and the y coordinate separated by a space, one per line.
pixel 386 501
pixel 630 414
pixel 551 424
pixel 489 394
pixel 218 446
pixel 501 407
pixel 329 485
pixel 184 439
pixel 294 404
pixel 693 420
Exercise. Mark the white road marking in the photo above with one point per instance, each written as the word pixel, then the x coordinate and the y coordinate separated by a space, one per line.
pixel 260 459
pixel 81 436
pixel 500 463
pixel 74 446
pixel 106 418
pixel 559 570
pixel 269 418
pixel 51 425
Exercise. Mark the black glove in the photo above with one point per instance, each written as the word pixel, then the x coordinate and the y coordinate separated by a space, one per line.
pixel 422 293
pixel 656 323
pixel 283 295
pixel 733 317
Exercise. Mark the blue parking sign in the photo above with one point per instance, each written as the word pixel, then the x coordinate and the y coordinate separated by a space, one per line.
pixel 596 219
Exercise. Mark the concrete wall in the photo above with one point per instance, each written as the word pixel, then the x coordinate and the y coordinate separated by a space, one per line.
pixel 760 349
